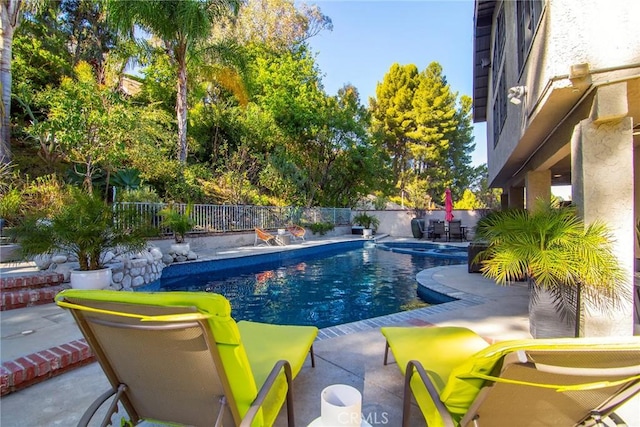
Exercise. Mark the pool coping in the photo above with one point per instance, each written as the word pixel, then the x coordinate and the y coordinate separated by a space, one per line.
pixel 426 279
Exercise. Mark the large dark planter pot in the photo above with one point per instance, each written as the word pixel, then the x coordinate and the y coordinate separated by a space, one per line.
pixel 416 227
pixel 473 250
pixel 545 320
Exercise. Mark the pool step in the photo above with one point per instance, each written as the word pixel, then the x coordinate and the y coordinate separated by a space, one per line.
pixel 30 289
pixel 42 365
pixel 27 290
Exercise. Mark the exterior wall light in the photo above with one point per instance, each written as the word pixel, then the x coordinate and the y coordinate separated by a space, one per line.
pixel 516 93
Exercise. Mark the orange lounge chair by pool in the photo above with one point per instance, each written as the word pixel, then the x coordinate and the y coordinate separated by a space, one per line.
pixel 297 232
pixel 265 237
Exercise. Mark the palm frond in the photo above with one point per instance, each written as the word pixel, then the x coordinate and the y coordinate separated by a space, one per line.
pixel 557 252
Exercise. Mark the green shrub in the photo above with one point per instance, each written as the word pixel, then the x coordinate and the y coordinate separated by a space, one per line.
pixel 320 227
pixel 10 204
pixel 139 195
pixel 45 196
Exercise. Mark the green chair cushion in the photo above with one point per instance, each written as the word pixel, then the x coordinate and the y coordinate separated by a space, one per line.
pixel 266 344
pixel 440 350
pixel 456 358
pixel 248 355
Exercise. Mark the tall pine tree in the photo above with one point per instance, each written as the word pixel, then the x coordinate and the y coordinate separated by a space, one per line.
pixel 426 130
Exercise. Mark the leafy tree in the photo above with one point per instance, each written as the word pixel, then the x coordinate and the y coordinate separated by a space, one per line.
pixel 82 121
pixel 347 165
pixel 276 24
pixel 325 151
pixel 392 114
pixel 89 38
pixel 53 38
pixel 41 55
pixel 96 131
pixel 458 169
pixel 468 201
pixel 180 25
pixel 425 129
pixel 489 197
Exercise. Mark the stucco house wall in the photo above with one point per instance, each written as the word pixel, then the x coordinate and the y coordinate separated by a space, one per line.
pixel 603 34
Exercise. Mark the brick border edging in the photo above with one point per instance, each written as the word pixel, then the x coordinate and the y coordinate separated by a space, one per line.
pixel 30 281
pixel 21 298
pixel 36 367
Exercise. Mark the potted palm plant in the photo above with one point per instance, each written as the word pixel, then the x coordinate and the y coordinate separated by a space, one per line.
pixel 369 222
pixel 565 262
pixel 86 226
pixel 180 224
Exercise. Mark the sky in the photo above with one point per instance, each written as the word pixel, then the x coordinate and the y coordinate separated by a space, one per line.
pixel 370 36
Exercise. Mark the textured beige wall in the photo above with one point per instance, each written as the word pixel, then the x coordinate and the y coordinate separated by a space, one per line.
pixel 603 33
pixel 538 185
pixel 602 184
pixel 397 223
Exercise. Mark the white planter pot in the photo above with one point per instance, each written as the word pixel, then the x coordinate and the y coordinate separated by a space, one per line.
pixel 367 233
pixel 180 249
pixel 91 279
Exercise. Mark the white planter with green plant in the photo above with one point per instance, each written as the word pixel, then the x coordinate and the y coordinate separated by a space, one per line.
pixel 180 224
pixel 369 222
pixel 87 227
pixel 566 262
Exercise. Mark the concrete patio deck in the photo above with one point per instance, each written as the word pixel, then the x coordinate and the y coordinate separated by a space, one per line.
pixel 348 354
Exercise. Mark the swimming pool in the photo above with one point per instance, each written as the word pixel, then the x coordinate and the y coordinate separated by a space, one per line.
pixel 436 250
pixel 338 284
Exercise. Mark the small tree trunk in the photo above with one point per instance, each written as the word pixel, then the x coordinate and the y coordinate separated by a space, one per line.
pixel 181 104
pixel 10 10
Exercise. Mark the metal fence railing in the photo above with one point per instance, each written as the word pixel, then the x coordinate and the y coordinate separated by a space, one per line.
pixel 224 218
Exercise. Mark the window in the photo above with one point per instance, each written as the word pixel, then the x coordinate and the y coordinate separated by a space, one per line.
pixel 498 49
pixel 498 77
pixel 499 108
pixel 528 14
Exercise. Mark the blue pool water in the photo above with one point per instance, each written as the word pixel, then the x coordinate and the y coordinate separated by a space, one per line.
pixel 322 289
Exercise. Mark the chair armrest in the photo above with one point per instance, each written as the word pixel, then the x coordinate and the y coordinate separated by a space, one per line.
pixel 264 392
pixel 447 421
pixel 96 404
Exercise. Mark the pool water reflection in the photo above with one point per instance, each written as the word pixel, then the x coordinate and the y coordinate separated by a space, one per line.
pixel 323 290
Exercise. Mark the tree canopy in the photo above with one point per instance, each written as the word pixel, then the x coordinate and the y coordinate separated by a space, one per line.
pixel 262 129
pixel 426 130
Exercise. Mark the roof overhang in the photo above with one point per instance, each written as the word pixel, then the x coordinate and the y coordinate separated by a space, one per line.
pixel 483 18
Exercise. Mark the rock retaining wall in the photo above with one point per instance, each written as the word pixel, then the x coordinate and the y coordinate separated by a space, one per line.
pixel 128 270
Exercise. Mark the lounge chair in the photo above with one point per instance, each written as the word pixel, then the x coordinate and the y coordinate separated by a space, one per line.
pixel 179 357
pixel 455 231
pixel 458 379
pixel 297 232
pixel 438 231
pixel 264 237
